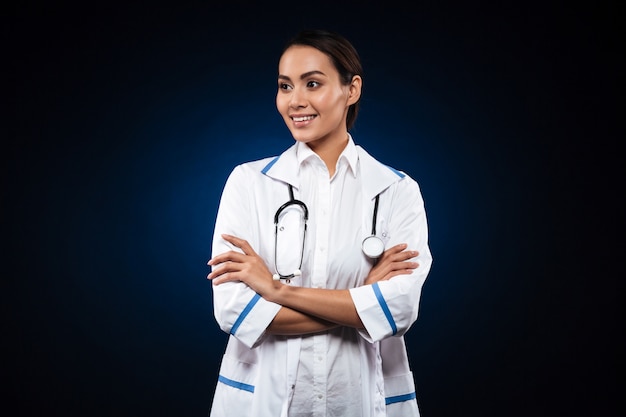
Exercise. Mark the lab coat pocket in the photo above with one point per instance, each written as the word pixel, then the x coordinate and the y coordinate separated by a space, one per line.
pixel 385 234
pixel 400 396
pixel 234 392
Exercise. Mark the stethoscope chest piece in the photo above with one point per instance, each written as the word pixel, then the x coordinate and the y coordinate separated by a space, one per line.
pixel 373 246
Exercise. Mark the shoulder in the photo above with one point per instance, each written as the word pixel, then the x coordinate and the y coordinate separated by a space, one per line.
pixel 372 164
pixel 257 166
pixel 254 168
pixel 394 181
pixel 247 175
pixel 378 177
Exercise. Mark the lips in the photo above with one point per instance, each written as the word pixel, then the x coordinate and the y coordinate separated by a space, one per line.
pixel 302 118
pixel 302 121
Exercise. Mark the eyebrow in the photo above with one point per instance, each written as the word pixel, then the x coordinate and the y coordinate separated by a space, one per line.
pixel 303 76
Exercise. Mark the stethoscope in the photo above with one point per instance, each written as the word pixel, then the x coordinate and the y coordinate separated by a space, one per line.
pixel 372 246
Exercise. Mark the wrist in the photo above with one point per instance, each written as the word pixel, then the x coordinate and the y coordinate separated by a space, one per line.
pixel 276 293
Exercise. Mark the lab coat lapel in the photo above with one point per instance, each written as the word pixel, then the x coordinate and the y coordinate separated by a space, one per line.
pixel 376 177
pixel 284 167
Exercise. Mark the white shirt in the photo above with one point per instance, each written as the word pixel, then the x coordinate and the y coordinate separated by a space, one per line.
pixel 342 372
pixel 333 261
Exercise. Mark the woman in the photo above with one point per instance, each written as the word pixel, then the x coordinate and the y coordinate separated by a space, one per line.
pixel 316 326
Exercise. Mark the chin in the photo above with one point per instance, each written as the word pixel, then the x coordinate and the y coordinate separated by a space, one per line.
pixel 300 136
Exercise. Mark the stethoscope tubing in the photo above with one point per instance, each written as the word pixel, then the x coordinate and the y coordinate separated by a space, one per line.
pixel 372 246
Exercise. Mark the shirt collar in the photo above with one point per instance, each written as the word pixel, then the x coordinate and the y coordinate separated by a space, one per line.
pixel 376 177
pixel 349 154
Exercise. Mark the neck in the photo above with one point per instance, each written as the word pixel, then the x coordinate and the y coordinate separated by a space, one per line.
pixel 329 152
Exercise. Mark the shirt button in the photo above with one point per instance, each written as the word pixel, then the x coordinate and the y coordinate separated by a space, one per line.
pixel 320 396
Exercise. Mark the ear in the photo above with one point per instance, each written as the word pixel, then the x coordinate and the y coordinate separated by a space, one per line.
pixel 354 93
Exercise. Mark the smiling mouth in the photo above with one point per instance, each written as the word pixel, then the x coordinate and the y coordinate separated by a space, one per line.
pixel 302 118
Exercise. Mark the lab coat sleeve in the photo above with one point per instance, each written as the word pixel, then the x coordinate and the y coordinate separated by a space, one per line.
pixel 389 308
pixel 238 310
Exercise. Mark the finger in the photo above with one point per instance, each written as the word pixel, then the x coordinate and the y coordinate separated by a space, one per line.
pixel 224 268
pixel 402 268
pixel 392 252
pixel 227 277
pixel 393 267
pixel 404 265
pixel 240 243
pixel 404 255
pixel 398 272
pixel 409 254
pixel 396 253
pixel 396 249
pixel 408 265
pixel 230 256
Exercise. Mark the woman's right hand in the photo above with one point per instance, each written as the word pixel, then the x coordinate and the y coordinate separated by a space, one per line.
pixel 246 267
pixel 394 261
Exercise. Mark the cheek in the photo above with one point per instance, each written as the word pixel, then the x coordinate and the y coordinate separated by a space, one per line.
pixel 280 104
pixel 331 101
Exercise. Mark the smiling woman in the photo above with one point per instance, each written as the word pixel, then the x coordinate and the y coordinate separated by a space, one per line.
pixel 319 82
pixel 326 339
pixel 314 100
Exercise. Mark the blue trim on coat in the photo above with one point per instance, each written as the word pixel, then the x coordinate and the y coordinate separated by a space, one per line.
pixel 268 166
pixel 400 398
pixel 244 313
pixel 383 305
pixel 398 173
pixel 235 384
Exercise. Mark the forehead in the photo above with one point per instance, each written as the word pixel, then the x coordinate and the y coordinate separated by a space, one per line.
pixel 300 59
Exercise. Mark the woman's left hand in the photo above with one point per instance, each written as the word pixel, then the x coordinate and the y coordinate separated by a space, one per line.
pixel 246 267
pixel 394 261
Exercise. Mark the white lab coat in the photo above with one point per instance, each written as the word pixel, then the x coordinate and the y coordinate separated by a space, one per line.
pixel 257 371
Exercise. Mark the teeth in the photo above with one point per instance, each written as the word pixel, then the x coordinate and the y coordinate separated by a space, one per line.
pixel 302 119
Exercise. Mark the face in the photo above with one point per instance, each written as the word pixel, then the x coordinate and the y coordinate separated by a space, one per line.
pixel 311 98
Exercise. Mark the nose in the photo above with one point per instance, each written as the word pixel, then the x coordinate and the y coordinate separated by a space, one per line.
pixel 297 99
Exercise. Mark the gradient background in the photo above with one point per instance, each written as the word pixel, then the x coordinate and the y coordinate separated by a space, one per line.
pixel 125 120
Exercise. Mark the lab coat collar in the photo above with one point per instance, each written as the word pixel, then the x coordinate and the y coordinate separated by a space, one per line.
pixel 376 177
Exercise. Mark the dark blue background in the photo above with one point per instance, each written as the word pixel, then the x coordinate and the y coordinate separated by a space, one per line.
pixel 125 120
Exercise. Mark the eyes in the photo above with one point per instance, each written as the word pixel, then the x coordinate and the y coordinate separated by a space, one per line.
pixel 311 85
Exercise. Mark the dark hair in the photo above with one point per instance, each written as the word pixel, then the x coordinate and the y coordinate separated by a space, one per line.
pixel 342 54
